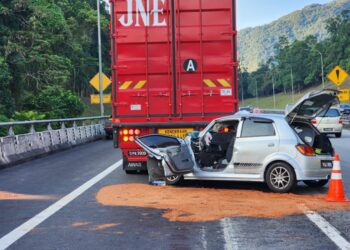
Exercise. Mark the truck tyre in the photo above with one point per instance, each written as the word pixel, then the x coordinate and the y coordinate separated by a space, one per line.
pixel 130 172
pixel 317 183
pixel 280 177
pixel 174 180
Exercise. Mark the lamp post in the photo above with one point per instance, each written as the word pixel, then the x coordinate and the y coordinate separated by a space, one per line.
pixel 322 64
pixel 292 80
pixel 256 93
pixel 322 68
pixel 100 56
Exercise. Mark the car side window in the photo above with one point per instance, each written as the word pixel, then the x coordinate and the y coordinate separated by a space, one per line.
pixel 253 128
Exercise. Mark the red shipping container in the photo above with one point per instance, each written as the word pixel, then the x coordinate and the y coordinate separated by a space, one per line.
pixel 174 67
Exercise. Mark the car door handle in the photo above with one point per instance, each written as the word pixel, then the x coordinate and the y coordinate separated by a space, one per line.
pixel 270 145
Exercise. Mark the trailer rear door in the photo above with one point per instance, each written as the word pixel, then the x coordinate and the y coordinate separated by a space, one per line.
pixel 173 58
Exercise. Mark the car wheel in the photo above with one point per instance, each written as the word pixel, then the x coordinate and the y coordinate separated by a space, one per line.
pixel 317 183
pixel 174 180
pixel 280 177
pixel 338 135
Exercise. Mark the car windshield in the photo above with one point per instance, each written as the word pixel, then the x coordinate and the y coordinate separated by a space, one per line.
pixel 330 113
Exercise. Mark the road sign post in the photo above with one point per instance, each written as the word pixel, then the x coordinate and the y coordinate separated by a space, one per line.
pixel 344 95
pixel 100 82
pixel 338 76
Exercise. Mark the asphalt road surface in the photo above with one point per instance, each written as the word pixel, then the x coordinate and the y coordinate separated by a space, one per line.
pixel 73 222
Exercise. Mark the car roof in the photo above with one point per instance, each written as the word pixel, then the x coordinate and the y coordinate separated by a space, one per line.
pixel 243 115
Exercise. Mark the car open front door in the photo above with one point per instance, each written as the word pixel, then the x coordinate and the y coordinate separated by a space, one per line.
pixel 174 153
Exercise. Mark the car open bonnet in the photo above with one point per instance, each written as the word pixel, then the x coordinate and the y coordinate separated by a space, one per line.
pixel 312 104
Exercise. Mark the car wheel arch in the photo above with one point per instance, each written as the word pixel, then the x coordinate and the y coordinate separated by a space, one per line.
pixel 286 158
pixel 279 161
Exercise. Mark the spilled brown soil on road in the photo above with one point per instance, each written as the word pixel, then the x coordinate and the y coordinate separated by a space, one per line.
pixel 105 226
pixel 80 224
pixel 15 196
pixel 208 204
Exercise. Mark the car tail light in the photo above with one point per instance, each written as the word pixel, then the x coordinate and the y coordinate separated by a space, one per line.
pixel 137 132
pixel 340 120
pixel 125 138
pixel 314 121
pixel 305 150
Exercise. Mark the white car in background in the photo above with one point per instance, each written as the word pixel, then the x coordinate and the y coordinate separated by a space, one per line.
pixel 330 122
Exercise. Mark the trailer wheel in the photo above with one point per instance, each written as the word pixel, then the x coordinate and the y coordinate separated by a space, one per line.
pixel 130 172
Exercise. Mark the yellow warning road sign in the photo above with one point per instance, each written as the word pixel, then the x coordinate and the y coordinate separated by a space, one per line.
pixel 95 99
pixel 344 95
pixel 338 76
pixel 95 82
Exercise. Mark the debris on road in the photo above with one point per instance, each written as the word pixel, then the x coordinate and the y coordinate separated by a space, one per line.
pixel 15 196
pixel 208 204
pixel 106 226
pixel 80 224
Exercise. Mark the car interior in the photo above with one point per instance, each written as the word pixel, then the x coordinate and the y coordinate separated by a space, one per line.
pixel 214 150
pixel 312 137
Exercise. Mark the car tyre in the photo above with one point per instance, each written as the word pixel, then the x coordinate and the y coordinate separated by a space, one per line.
pixel 280 177
pixel 316 183
pixel 174 180
pixel 338 135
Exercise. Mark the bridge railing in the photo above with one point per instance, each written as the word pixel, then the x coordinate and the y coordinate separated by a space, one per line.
pixel 57 135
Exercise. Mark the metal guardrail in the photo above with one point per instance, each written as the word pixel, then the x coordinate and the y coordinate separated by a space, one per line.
pixel 66 133
pixel 273 111
pixel 62 122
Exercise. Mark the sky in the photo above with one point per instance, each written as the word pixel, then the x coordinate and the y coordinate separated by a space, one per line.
pixel 253 13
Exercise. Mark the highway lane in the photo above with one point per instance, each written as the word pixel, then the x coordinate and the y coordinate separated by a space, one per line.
pixel 76 226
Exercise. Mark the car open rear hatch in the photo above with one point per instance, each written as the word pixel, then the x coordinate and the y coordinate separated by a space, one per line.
pixel 313 104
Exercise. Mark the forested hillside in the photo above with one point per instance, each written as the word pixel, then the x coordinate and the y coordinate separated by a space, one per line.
pixel 48 53
pixel 256 45
pixel 298 64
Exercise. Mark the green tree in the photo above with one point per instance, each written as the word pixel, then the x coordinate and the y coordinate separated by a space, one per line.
pixel 55 102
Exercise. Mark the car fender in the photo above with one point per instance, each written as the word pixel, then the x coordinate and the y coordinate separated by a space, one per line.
pixel 278 156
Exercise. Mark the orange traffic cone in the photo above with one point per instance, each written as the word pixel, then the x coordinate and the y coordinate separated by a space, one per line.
pixel 336 191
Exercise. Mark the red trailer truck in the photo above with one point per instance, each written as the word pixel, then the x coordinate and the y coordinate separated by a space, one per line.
pixel 174 69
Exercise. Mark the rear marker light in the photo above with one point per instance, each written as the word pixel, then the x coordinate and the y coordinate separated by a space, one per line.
pixel 137 132
pixel 131 138
pixel 131 132
pixel 305 150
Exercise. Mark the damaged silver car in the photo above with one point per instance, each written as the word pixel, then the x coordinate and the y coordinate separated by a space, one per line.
pixel 279 150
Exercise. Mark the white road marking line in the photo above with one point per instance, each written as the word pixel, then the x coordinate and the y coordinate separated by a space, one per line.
pixel 229 234
pixel 332 233
pixel 204 238
pixel 27 226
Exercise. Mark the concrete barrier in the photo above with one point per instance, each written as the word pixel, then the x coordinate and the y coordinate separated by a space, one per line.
pixel 17 148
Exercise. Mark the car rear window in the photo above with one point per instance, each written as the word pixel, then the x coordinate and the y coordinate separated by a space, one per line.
pixel 253 128
pixel 159 141
pixel 331 113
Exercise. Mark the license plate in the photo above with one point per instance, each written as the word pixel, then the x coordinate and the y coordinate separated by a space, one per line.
pixel 176 132
pixel 328 130
pixel 326 164
pixel 137 153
